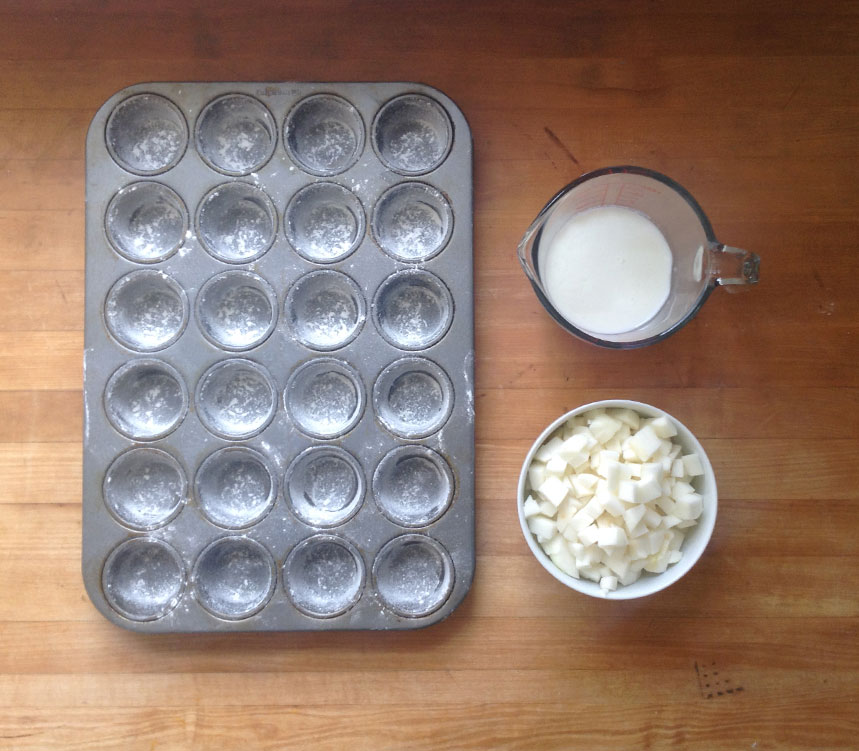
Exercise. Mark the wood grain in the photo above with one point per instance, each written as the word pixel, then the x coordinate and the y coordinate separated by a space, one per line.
pixel 753 108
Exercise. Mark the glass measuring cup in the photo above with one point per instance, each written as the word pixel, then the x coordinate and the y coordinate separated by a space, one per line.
pixel 700 263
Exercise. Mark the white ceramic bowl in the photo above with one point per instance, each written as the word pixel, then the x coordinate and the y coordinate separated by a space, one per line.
pixel 696 539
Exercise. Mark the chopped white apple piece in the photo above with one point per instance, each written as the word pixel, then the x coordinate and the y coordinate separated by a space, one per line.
pixel 574 450
pixel 612 504
pixel 564 561
pixel 608 583
pixel 589 535
pixel 644 443
pixel 553 490
pixel 633 515
pixel 648 490
pixel 548 449
pixel 612 537
pixel 554 545
pixel 628 416
pixel 542 527
pixel 547 508
pixel 594 507
pixel 663 427
pixel 605 459
pixel 584 484
pixel 689 507
pixel 626 491
pixel 680 489
pixel 556 466
pixel 692 463
pixel 530 507
pixel 604 427
pixel 678 470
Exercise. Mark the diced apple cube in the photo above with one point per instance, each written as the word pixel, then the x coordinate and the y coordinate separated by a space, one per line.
pixel 556 466
pixel 656 564
pixel 638 548
pixel 547 508
pixel 675 451
pixel 626 491
pixel 663 450
pixel 594 507
pixel 645 443
pixel 693 465
pixel 678 470
pixel 589 535
pixel 665 504
pixel 564 561
pixel 580 520
pixel 655 540
pixel 585 432
pixel 591 555
pixel 574 450
pixel 542 527
pixel 536 474
pixel 608 583
pixel 651 471
pixel 565 512
pixel 614 444
pixel 584 484
pixel 553 490
pixel 680 489
pixel 632 516
pixel 632 576
pixel 605 459
pixel 604 427
pixel 648 490
pixel 663 427
pixel 530 507
pixel 675 540
pixel 618 563
pixel 669 521
pixel 674 556
pixel 628 416
pixel 554 545
pixel 614 475
pixel 689 507
pixel 548 449
pixel 612 504
pixel 612 537
pixel 652 518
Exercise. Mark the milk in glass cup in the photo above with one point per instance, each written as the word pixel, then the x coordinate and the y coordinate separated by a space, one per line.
pixel 624 256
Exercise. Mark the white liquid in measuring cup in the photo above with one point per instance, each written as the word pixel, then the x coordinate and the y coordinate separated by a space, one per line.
pixel 607 270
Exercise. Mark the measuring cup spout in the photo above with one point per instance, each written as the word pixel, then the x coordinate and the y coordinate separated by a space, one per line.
pixel 733 267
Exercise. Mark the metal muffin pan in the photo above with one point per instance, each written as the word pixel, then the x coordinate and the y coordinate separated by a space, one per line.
pixel 278 366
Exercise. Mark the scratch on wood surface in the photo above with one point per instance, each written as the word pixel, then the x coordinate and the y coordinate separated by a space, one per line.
pixel 560 144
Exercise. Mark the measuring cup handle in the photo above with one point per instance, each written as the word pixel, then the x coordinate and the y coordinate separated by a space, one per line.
pixel 733 267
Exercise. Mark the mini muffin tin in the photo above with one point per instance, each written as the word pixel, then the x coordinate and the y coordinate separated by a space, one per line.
pixel 279 403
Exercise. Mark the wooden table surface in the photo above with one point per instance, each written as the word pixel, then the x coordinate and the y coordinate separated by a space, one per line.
pixel 753 107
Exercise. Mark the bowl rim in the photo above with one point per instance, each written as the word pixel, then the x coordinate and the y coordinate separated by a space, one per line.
pixel 674 572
